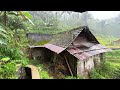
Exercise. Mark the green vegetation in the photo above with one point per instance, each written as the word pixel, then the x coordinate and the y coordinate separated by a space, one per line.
pixel 13 42
pixel 42 42
pixel 114 55
pixel 41 68
pixel 43 72
pixel 8 71
pixel 109 69
pixel 70 77
pixel 73 77
pixel 45 75
pixel 105 40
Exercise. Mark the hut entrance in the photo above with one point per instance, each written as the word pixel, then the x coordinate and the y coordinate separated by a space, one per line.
pixel 57 65
pixel 25 73
pixel 61 65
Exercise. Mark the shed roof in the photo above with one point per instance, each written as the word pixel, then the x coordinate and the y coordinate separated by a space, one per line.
pixel 51 47
pixel 87 52
pixel 64 41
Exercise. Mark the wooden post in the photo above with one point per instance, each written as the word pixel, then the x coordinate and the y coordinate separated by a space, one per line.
pixel 68 66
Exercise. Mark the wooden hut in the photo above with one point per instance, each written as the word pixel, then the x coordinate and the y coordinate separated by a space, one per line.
pixel 78 49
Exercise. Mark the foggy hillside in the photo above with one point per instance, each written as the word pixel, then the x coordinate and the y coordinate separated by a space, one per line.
pixel 64 20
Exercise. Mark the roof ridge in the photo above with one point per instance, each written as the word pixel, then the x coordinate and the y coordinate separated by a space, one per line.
pixel 64 39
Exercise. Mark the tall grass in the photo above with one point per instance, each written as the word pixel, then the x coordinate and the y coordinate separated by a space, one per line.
pixel 110 69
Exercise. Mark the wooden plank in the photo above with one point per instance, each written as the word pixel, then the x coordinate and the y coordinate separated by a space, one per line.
pixel 68 66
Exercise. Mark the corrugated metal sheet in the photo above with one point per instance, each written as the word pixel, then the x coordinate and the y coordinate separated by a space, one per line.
pixel 51 47
pixel 64 40
pixel 74 50
pixel 35 46
pixel 54 48
pixel 84 54
pixel 87 44
pixel 97 46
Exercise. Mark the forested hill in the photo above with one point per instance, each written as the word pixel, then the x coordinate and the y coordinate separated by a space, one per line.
pixel 59 21
pixel 110 27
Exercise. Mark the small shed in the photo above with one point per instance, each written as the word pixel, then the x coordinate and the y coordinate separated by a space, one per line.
pixel 78 49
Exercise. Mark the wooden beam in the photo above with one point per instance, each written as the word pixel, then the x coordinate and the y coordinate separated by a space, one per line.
pixel 68 66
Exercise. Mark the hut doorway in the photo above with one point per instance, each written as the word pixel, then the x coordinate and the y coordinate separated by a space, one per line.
pixel 25 73
pixel 61 65
pixel 58 65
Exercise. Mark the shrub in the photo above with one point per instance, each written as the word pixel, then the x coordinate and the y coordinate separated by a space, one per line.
pixel 73 77
pixel 7 69
pixel 70 77
pixel 106 71
pixel 45 75
pixel 116 74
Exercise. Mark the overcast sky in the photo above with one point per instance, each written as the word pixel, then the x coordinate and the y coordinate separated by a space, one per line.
pixel 101 15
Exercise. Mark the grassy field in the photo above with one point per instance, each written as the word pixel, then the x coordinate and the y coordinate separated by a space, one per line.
pixel 110 69
pixel 113 57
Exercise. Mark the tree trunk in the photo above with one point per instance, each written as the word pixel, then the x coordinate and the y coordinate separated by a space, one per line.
pixel 5 18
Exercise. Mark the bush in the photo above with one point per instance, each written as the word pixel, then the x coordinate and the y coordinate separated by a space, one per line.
pixel 8 71
pixel 70 77
pixel 116 74
pixel 43 72
pixel 96 75
pixel 45 75
pixel 106 71
pixel 73 77
pixel 23 61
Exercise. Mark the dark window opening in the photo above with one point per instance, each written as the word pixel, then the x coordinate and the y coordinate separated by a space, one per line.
pixel 25 73
pixel 28 73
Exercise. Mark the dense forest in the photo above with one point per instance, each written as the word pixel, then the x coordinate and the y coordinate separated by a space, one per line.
pixel 63 20
pixel 14 25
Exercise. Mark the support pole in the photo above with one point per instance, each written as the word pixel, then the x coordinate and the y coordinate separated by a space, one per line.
pixel 68 66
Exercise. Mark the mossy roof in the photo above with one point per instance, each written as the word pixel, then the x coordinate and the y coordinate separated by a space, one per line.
pixel 64 39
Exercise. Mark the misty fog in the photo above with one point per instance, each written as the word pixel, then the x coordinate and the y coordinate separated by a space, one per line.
pixel 69 19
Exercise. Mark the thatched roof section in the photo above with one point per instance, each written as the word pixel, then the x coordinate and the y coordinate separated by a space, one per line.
pixel 64 39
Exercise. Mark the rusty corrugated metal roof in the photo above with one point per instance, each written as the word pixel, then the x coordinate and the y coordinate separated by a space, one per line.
pixel 51 47
pixel 63 41
pixel 32 46
pixel 84 54
pixel 54 48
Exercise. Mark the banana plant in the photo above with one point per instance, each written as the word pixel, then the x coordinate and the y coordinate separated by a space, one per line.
pixel 2 35
pixel 4 20
pixel 24 14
